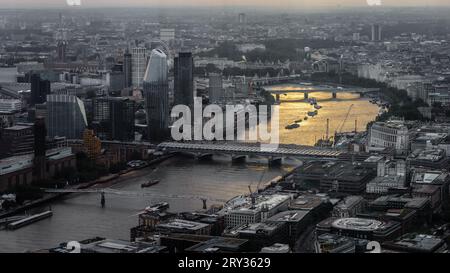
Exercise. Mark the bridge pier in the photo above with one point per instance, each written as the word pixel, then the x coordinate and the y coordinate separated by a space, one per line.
pixel 305 95
pixel 277 98
pixel 334 95
pixel 238 158
pixel 275 161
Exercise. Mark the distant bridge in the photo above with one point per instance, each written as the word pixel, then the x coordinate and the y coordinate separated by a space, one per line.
pixel 326 89
pixel 239 151
pixel 274 80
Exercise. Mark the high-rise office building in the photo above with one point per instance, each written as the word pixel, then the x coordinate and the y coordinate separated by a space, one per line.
pixel 376 33
pixel 127 68
pixel 216 94
pixel 66 116
pixel 184 79
pixel 61 38
pixel 138 65
pixel 39 89
pixel 156 93
pixel 115 81
pixel 61 50
pixel 113 118
pixel 242 18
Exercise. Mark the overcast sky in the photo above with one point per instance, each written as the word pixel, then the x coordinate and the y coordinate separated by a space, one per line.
pixel 277 3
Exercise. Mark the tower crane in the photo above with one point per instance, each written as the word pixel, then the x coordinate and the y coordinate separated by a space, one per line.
pixel 345 119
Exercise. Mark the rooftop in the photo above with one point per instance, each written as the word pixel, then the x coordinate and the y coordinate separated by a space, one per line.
pixel 349 202
pixel 429 177
pixel 308 202
pixel 182 224
pixel 289 216
pixel 432 155
pixel 359 224
pixel 120 246
pixel 416 242
pixel 218 244
pixel 244 203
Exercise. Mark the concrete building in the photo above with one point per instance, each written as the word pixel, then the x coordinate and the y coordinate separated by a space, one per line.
pixel 350 206
pixel 393 133
pixel 415 243
pixel 10 105
pixel 18 170
pixel 16 140
pixel 260 235
pixel 242 210
pixel 183 226
pixel 391 175
pixel 361 228
pixel 276 248
pixel 296 223
pixel 432 184
pixel 429 158
pixel 346 177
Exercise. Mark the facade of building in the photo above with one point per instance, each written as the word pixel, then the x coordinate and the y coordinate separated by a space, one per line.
pixel 245 211
pixel 127 69
pixel 113 118
pixel 156 95
pixel 376 33
pixel 66 116
pixel 349 207
pixel 10 105
pixel 216 92
pixel 16 140
pixel 167 34
pixel 138 63
pixel 92 144
pixel 18 170
pixel 39 89
pixel 184 79
pixel 390 134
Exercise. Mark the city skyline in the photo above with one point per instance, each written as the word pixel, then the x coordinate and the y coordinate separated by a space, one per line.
pixel 290 4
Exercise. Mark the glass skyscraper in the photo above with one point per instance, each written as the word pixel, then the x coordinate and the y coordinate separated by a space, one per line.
pixel 138 65
pixel 184 79
pixel 156 93
pixel 66 116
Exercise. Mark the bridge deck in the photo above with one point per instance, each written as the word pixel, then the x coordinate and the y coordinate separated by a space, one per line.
pixel 134 194
pixel 315 90
pixel 251 149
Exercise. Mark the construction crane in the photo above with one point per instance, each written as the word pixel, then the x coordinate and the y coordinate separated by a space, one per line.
pixel 253 194
pixel 345 119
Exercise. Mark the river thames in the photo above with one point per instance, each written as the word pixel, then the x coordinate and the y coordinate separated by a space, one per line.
pixel 80 216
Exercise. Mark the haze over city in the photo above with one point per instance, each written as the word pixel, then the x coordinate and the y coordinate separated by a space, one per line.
pixel 281 4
